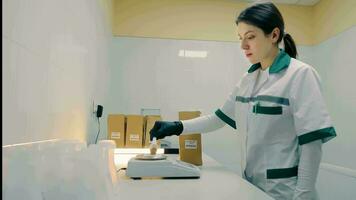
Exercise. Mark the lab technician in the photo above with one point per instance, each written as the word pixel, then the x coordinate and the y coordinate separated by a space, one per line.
pixel 277 107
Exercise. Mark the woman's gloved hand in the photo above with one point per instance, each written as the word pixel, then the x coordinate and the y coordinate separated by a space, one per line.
pixel 162 129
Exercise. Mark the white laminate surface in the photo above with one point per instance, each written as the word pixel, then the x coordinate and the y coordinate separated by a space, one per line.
pixel 216 182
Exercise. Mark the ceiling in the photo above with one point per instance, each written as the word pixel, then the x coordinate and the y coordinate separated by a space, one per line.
pixel 293 2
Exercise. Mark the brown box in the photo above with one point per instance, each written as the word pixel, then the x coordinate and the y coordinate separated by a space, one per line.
pixel 149 123
pixel 134 131
pixel 190 148
pixel 116 129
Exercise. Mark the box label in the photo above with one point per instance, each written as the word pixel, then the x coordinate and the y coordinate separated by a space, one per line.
pixel 134 137
pixel 115 135
pixel 191 144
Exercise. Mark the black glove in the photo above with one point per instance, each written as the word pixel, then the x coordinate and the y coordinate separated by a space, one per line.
pixel 162 129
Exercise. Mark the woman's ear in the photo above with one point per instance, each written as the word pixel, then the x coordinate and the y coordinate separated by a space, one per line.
pixel 275 35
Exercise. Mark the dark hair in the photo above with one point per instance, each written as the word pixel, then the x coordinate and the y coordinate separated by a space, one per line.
pixel 266 16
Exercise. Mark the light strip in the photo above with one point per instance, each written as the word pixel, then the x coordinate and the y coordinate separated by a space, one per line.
pixel 30 143
pixel 135 150
pixel 192 54
pixel 339 169
pixel 123 155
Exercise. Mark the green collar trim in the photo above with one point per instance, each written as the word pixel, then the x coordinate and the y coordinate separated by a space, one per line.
pixel 281 62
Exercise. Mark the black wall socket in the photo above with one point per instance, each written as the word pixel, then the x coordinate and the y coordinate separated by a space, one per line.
pixel 99 111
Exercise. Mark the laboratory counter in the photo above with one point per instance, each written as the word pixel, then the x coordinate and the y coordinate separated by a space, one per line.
pixel 215 183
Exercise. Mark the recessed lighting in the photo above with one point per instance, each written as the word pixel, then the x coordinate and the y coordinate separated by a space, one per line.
pixel 192 54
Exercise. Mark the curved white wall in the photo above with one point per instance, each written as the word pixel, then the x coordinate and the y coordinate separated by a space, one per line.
pixel 334 59
pixel 54 65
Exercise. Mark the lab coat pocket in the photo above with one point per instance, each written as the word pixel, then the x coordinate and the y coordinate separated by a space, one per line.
pixel 267 110
pixel 281 183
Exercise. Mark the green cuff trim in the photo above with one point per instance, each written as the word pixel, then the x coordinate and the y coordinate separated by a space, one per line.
pixel 282 173
pixel 225 118
pixel 275 110
pixel 324 134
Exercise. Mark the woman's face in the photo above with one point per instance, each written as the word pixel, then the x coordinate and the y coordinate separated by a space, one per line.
pixel 255 44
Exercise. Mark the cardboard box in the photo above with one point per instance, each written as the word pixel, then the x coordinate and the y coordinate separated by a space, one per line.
pixel 190 147
pixel 149 123
pixel 116 129
pixel 134 131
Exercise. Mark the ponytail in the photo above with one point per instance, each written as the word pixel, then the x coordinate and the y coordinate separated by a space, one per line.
pixel 289 46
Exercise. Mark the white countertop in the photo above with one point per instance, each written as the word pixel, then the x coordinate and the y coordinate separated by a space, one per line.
pixel 215 183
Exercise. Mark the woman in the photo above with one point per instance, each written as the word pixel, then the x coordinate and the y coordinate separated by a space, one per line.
pixel 278 109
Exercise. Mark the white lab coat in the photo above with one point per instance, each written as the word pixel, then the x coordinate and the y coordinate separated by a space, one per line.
pixel 286 111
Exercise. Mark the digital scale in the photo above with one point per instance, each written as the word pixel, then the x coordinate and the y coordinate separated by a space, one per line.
pixel 159 165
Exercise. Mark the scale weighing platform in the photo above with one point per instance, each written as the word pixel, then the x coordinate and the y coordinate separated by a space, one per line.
pixel 159 165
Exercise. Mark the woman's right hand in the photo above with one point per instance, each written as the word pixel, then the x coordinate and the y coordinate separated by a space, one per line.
pixel 162 129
